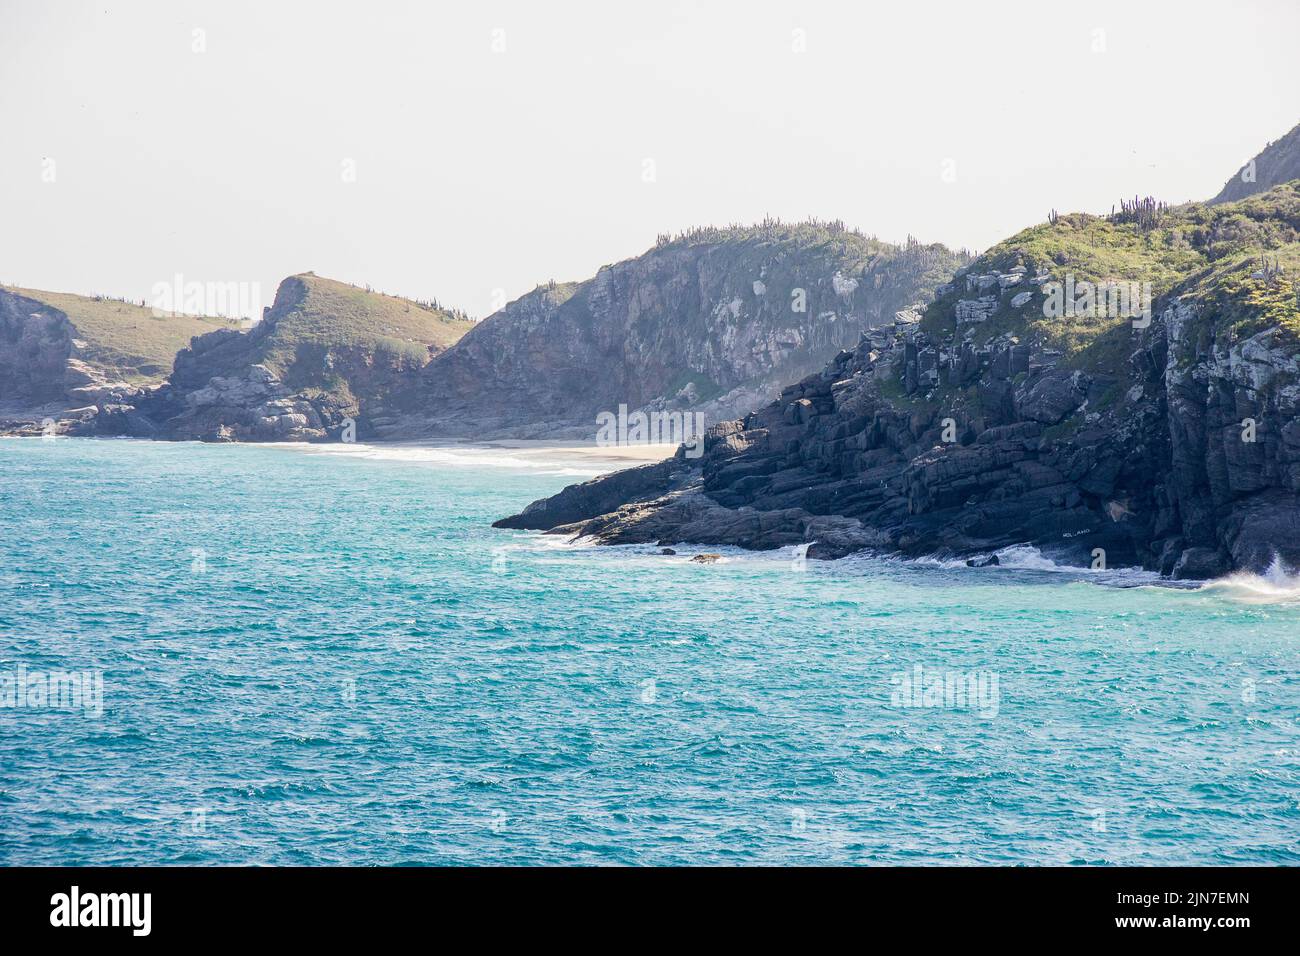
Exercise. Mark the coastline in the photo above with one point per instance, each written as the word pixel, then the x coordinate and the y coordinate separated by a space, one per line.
pixel 553 455
pixel 534 451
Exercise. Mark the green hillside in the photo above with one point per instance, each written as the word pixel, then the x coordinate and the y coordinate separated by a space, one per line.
pixel 1243 255
pixel 314 311
pixel 128 341
pixel 324 352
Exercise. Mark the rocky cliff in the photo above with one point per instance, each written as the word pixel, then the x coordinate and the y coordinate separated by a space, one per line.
pixel 1106 435
pixel 323 354
pixel 713 321
pixel 65 356
pixel 1278 163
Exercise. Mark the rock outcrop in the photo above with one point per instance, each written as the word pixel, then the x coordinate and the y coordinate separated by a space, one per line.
pixel 1169 439
pixel 70 358
pixel 35 348
pixel 325 356
pixel 712 322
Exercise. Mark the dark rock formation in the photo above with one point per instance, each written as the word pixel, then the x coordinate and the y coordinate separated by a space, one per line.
pixel 957 438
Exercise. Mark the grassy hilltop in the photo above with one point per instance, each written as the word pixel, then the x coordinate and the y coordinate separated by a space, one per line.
pixel 127 341
pixel 1243 258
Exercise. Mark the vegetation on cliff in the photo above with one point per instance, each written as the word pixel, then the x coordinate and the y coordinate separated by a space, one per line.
pixel 325 353
pixel 1244 256
pixel 1167 437
pixel 127 341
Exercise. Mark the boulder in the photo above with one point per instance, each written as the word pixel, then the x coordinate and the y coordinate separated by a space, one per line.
pixel 1199 564
pixel 1054 395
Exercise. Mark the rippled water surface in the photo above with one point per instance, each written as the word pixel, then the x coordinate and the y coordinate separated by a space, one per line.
pixel 332 658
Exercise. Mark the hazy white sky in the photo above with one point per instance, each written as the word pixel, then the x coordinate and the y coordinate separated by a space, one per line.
pixel 478 170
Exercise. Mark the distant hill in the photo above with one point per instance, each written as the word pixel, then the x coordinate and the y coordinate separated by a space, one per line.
pixel 1278 163
pixel 56 347
pixel 714 320
pixel 326 351
pixel 312 313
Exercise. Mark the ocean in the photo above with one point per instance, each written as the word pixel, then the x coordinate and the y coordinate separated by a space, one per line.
pixel 270 655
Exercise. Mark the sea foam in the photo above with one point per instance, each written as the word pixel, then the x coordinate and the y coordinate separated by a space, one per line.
pixel 1277 585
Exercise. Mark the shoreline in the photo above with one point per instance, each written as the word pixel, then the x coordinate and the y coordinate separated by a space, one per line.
pixel 538 449
pixel 1280 585
pixel 569 458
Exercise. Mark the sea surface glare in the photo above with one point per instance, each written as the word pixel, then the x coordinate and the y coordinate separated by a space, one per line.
pixel 328 656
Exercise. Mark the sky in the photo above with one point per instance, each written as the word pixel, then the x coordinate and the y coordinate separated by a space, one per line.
pixel 467 151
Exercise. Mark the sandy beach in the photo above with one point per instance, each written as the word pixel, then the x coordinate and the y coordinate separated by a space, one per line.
pixel 617 456
pixel 561 457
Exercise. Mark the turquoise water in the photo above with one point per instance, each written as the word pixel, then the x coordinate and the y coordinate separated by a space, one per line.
pixel 332 658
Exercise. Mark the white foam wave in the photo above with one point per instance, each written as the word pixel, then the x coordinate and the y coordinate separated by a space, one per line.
pixel 1278 585
pixel 1027 557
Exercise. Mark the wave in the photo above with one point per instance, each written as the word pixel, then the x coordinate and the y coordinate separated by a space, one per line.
pixel 1277 585
pixel 1017 557
pixel 1027 557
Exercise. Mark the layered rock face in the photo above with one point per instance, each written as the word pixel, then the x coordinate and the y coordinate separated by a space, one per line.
pixel 1234 426
pixel 847 461
pixel 977 427
pixel 250 403
pixel 35 347
pixel 714 322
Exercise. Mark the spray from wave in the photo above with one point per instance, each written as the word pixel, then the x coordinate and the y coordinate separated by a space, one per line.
pixel 1278 585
